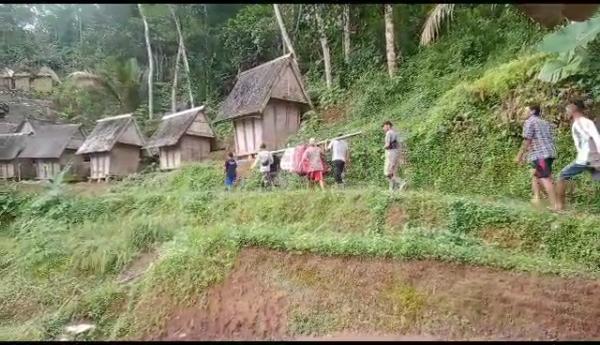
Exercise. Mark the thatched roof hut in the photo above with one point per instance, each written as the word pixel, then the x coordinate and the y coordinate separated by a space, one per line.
pixel 10 147
pixel 45 71
pixel 6 78
pixel 266 105
pixel 44 79
pixel 182 137
pixel 52 147
pixel 113 147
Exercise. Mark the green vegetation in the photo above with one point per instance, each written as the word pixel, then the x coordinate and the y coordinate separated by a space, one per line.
pixel 62 257
pixel 154 243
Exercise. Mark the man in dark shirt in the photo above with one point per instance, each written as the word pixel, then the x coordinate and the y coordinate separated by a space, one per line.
pixel 230 171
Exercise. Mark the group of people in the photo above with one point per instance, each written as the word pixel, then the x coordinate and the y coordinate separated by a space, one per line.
pixel 539 148
pixel 313 164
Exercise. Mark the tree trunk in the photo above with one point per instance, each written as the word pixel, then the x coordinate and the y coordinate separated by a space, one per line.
pixel 284 34
pixel 324 46
pixel 150 62
pixel 174 85
pixel 185 59
pixel 346 33
pixel 389 39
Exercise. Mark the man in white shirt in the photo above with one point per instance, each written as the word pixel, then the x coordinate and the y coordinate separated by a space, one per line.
pixel 587 140
pixel 264 159
pixel 339 158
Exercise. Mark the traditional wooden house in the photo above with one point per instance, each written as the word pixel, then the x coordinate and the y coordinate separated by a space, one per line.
pixel 182 137
pixel 10 147
pixel 266 105
pixel 113 147
pixel 51 148
pixel 6 79
pixel 44 80
pixel 22 81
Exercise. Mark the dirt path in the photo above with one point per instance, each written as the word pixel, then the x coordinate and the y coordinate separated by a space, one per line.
pixel 273 295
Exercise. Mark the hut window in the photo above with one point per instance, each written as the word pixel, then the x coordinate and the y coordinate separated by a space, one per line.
pixel 86 158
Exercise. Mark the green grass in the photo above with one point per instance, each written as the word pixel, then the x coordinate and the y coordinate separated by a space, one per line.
pixel 61 254
pixel 63 263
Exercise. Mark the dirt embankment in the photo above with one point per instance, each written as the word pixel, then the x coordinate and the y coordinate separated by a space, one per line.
pixel 273 295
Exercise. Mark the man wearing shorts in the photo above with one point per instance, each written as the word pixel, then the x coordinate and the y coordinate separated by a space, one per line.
pixel 587 141
pixel 392 157
pixel 538 143
pixel 314 163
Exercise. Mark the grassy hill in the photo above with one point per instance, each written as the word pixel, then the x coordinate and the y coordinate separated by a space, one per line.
pixel 461 255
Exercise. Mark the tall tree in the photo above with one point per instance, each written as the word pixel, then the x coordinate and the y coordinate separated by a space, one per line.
pixel 284 33
pixel 184 55
pixel 389 39
pixel 150 62
pixel 174 84
pixel 324 45
pixel 346 41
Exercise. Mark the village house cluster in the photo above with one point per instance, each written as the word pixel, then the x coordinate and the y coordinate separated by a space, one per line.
pixel 42 80
pixel 265 105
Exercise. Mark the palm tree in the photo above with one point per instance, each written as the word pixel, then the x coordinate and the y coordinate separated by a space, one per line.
pixel 548 15
pixel 123 81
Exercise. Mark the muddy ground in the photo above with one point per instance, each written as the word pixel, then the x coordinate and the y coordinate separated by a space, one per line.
pixel 274 295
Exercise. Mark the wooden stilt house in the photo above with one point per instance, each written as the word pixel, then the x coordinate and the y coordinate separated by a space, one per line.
pixel 182 137
pixel 51 148
pixel 266 105
pixel 113 147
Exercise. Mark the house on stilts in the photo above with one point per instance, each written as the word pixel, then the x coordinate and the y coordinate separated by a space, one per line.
pixel 182 137
pixel 266 105
pixel 113 147
pixel 10 147
pixel 51 148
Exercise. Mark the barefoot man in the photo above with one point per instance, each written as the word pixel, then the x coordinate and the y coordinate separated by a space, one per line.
pixel 538 143
pixel 587 142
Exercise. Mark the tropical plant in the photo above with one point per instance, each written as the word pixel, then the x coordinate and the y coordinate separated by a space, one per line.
pixel 123 81
pixel 569 46
pixel 431 28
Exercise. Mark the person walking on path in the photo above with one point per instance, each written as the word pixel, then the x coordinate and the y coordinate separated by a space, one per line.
pixel 392 157
pixel 538 143
pixel 265 159
pixel 314 163
pixel 587 142
pixel 230 171
pixel 339 158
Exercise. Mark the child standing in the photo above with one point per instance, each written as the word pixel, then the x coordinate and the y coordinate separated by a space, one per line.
pixel 230 171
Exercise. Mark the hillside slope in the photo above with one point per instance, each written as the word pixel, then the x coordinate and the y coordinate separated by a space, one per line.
pixel 462 255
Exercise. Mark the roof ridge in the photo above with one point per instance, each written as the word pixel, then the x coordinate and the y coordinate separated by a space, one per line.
pixel 266 63
pixel 115 117
pixel 200 108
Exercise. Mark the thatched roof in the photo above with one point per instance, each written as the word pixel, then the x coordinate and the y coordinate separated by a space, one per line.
pixel 6 72
pixel 50 141
pixel 48 72
pixel 107 132
pixel 174 126
pixel 11 145
pixel 22 74
pixel 253 88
